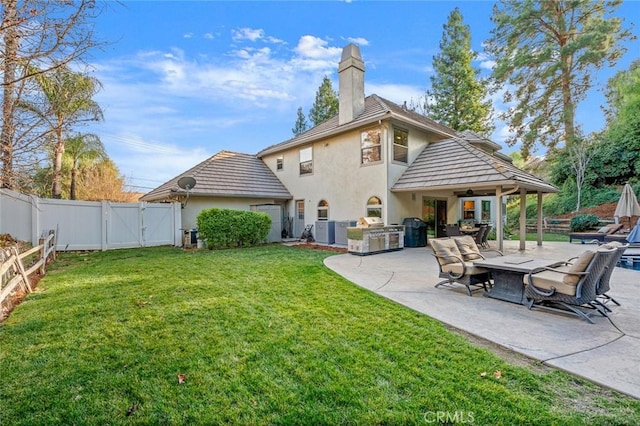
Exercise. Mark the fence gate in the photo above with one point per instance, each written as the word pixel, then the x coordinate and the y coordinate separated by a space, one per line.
pixel 90 225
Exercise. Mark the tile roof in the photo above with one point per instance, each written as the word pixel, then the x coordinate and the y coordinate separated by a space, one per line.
pixel 455 163
pixel 375 108
pixel 226 174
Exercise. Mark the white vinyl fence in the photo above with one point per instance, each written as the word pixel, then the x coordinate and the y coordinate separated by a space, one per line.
pixel 90 225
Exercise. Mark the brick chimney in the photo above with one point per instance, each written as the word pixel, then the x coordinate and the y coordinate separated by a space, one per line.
pixel 351 84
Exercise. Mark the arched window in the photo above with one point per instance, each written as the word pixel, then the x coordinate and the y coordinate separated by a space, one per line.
pixel 323 210
pixel 374 207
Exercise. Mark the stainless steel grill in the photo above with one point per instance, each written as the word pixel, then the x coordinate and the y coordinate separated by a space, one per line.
pixel 371 236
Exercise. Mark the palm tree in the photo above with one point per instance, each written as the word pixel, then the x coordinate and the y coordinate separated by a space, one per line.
pixel 82 148
pixel 68 102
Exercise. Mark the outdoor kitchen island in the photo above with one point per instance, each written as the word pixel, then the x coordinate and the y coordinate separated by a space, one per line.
pixel 370 236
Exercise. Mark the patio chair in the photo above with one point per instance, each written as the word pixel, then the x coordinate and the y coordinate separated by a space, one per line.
pixel 453 230
pixel 455 259
pixel 603 285
pixel 572 286
pixel 485 243
pixel 482 229
pixel 595 235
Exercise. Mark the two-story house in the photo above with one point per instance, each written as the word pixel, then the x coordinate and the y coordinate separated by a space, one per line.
pixel 374 158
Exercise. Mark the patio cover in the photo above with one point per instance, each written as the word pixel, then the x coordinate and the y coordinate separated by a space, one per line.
pixel 459 166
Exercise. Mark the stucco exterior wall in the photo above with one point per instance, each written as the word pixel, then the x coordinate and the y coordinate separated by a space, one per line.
pixel 418 140
pixel 196 204
pixel 338 177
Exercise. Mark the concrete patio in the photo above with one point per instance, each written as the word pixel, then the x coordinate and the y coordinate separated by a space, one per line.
pixel 607 352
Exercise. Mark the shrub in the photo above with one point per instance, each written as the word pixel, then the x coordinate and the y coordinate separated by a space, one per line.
pixel 584 222
pixel 225 228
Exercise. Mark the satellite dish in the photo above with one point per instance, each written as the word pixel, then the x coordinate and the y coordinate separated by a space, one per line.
pixel 186 183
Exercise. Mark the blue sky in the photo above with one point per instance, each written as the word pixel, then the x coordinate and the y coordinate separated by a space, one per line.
pixel 184 80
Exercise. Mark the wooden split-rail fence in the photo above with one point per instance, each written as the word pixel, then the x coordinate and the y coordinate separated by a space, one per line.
pixel 14 275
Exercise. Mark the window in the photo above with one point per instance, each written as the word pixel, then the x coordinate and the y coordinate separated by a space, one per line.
pixel 400 145
pixel 300 210
pixel 370 148
pixel 306 161
pixel 485 214
pixel 323 210
pixel 374 207
pixel 279 163
pixel 469 210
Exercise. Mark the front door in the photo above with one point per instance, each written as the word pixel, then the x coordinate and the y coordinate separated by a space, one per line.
pixel 299 219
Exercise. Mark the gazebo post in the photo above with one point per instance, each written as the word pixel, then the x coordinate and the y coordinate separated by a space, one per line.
pixel 499 223
pixel 523 218
pixel 539 227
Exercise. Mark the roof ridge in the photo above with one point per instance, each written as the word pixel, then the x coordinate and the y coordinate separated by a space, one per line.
pixel 381 101
pixel 233 152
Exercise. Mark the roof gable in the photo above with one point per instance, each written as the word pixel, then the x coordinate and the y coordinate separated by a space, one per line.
pixel 226 174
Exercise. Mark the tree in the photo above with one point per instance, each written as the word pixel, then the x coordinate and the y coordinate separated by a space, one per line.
pixel 82 149
pixel 580 153
pixel 102 181
pixel 301 125
pixel 37 37
pixel 68 102
pixel 326 104
pixel 459 96
pixel 618 153
pixel 546 52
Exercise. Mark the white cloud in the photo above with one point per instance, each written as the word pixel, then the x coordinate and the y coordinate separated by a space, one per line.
pixel 316 48
pixel 275 40
pixel 398 93
pixel 171 109
pixel 151 164
pixel 486 62
pixel 360 41
pixel 208 36
pixel 488 65
pixel 250 34
pixel 188 35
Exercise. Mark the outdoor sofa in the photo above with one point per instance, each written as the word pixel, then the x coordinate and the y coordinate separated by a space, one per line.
pixel 595 235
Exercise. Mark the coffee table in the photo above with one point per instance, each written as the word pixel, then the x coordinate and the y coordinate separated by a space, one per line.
pixel 508 273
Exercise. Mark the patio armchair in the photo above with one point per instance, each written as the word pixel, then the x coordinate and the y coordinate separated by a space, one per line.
pixel 482 240
pixel 572 286
pixel 453 230
pixel 455 259
pixel 595 235
pixel 485 242
pixel 604 286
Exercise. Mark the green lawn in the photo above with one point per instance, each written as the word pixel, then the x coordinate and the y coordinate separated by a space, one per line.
pixel 265 335
pixel 532 236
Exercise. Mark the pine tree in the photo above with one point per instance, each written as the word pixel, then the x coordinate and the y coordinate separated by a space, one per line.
pixel 326 103
pixel 545 53
pixel 301 125
pixel 460 97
